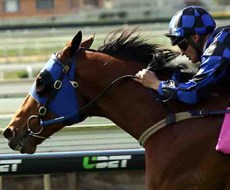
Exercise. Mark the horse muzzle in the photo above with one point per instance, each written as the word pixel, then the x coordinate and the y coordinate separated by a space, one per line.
pixel 19 141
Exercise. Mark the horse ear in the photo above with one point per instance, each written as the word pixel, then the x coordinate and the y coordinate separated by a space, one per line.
pixel 75 44
pixel 87 43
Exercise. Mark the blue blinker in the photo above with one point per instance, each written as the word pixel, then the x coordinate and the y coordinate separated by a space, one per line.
pixel 64 103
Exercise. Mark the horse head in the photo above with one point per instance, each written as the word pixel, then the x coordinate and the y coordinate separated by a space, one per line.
pixel 46 100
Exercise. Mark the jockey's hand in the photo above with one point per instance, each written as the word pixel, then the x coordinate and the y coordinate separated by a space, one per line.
pixel 148 78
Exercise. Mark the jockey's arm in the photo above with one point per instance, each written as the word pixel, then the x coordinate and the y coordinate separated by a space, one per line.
pixel 212 70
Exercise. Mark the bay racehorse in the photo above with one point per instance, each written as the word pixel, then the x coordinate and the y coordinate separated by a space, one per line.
pixel 78 82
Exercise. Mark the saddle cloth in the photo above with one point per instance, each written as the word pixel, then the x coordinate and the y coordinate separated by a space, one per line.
pixel 223 144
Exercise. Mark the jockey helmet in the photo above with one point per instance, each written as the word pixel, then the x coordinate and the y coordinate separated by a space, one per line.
pixel 190 21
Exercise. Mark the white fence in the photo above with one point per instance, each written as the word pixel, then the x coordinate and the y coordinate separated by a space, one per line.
pixel 34 45
pixel 30 69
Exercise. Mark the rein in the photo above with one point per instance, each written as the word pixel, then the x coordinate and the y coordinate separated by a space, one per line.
pixel 67 117
pixel 171 118
pixel 43 109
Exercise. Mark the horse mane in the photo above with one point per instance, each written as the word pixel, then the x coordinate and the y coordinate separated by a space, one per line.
pixel 125 43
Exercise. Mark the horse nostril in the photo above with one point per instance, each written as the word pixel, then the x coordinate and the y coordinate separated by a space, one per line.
pixel 8 133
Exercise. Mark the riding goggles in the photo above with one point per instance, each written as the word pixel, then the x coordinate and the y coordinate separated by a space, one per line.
pixel 183 44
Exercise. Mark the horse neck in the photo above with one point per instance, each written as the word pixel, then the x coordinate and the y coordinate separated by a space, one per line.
pixel 128 104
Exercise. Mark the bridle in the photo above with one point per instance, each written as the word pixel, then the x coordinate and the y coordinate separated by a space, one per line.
pixel 43 109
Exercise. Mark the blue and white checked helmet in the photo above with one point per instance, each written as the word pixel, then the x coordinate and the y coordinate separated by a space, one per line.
pixel 190 21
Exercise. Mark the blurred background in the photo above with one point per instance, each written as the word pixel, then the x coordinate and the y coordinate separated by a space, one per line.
pixel 30 31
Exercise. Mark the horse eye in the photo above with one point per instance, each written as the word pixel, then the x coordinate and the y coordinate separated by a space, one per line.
pixel 44 83
pixel 40 85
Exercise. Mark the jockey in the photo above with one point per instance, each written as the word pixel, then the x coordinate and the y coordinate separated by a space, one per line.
pixel 194 31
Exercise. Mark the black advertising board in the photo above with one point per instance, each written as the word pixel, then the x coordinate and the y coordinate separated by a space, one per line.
pixel 64 162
